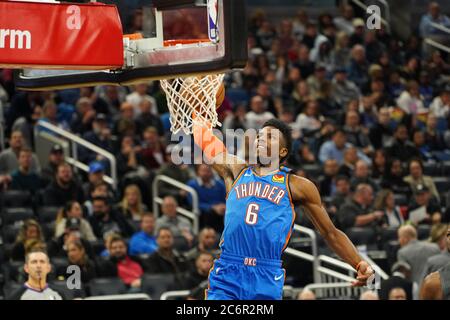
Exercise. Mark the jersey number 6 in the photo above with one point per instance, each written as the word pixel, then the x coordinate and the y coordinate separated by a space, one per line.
pixel 251 216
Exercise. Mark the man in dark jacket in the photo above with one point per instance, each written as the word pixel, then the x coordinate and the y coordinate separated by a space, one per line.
pixel 401 272
pixel 63 189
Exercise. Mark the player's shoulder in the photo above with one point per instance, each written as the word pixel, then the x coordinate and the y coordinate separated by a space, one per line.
pixel 303 189
pixel 431 286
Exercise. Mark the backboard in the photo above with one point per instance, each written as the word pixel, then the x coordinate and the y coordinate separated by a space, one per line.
pixel 171 38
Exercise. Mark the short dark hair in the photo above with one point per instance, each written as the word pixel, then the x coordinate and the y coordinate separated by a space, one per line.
pixel 104 199
pixel 118 238
pixel 163 228
pixel 285 130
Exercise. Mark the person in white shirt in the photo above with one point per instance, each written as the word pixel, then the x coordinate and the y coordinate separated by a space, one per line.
pixel 137 96
pixel 410 100
pixel 258 115
pixel 309 119
pixel 440 107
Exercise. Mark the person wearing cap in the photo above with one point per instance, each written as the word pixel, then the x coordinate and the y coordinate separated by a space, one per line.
pixel 414 252
pixel 317 81
pixel 64 221
pixel 358 34
pixel 400 278
pixel 55 158
pixel 416 177
pixel 422 198
pixel 440 234
pixel 100 135
pixel 440 106
pixel 343 90
pixel 96 174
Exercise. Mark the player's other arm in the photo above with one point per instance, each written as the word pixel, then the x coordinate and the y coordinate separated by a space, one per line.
pixel 307 194
pixel 226 164
pixel 431 287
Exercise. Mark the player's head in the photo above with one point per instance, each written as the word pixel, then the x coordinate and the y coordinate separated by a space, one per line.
pixel 274 142
pixel 37 265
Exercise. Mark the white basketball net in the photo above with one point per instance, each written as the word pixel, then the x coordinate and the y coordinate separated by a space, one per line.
pixel 189 96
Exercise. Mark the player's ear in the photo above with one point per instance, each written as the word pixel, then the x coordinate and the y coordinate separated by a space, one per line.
pixel 283 152
pixel 25 267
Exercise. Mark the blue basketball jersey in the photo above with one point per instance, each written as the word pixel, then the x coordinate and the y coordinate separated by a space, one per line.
pixel 259 215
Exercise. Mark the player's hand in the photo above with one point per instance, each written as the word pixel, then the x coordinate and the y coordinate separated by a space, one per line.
pixel 365 271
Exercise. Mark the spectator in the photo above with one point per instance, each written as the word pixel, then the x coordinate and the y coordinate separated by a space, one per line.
pixel 9 158
pixel 381 132
pixel 422 198
pixel 358 67
pixel 23 178
pixel 211 193
pixel 397 294
pixel 414 252
pixel 30 231
pixel 101 190
pixel 99 136
pixel 144 241
pixel 374 47
pixel 341 53
pixel 342 90
pixel 417 177
pixel 435 140
pixel 310 121
pixel 59 246
pixel 84 116
pixel 393 178
pixel 440 107
pixel 153 152
pixel 369 295
pixel 401 147
pixel 125 122
pixel 345 22
pixel 37 266
pixel 148 118
pixel 379 164
pixel 357 37
pixel 104 220
pixel 317 81
pixel 77 256
pixel 166 259
pixel 328 181
pixel 180 227
pixel 203 264
pixel 55 158
pixel 335 148
pixel 342 193
pixel 128 270
pixel 207 242
pixel 306 294
pixel 410 73
pixel 303 63
pixel 99 105
pixel 63 189
pixel 362 175
pixel 131 206
pixel 321 53
pixel 73 210
pixel 129 160
pixel 347 168
pixel 137 96
pixel 355 133
pixel 410 100
pixel 434 263
pixel 258 115
pixel 385 202
pixel 356 211
pixel 400 278
pixel 433 16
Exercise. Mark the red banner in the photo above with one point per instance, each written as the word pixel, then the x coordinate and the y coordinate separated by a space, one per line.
pixel 67 36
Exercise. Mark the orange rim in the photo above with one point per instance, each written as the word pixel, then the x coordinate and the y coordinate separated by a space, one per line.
pixel 170 43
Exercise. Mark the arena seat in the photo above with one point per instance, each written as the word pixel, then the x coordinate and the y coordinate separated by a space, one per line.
pixel 9 233
pixel 12 215
pixel 432 169
pixel 423 231
pixel 13 271
pixel 107 286
pixel 10 288
pixel 388 234
pixel 156 284
pixel 401 199
pixel 442 184
pixel 361 236
pixel 16 198
pixel 47 214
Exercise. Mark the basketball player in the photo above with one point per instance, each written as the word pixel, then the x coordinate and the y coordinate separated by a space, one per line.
pixel 260 216
pixel 436 286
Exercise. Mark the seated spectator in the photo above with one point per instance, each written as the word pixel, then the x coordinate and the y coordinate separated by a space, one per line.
pixel 63 189
pixel 379 164
pixel 345 21
pixel 356 212
pixel 207 242
pixel 438 261
pixel 422 198
pixel 129 160
pixel 362 175
pixel 440 107
pixel 306 295
pixel 105 220
pixel 148 118
pixel 414 252
pixel 73 210
pixel 433 16
pixel 334 149
pixel 137 96
pixel 144 241
pixel 381 132
pixel 419 143
pixel 393 178
pixel 122 266
pixel 23 178
pixel 124 124
pixel 9 158
pixel 310 121
pixel 358 67
pixel 166 259
pixel 131 205
pixel 410 74
pixel 76 255
pixel 417 177
pixel 258 115
pixel 347 168
pixel 153 152
pixel 342 90
pixel 397 294
pixel 96 175
pixel 30 231
pixel 211 193
pixel 84 116
pixel 341 195
pixel 355 133
pixel 357 37
pixel 318 80
pixel 392 215
pixel 59 246
pixel 327 182
pixel 99 136
pixel 410 100
pixel 180 227
pixel 400 278
pixel 55 158
pixel 369 295
pixel 435 140
pixel 402 148
pixel 203 264
pixel 101 190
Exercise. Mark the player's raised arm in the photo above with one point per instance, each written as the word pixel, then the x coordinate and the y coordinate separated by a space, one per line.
pixel 226 164
pixel 307 194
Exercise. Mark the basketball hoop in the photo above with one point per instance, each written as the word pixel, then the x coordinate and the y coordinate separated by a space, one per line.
pixel 192 97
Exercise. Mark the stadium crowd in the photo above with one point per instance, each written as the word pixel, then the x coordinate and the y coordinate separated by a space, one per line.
pixel 370 116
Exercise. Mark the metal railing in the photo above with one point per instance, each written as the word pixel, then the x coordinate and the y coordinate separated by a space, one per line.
pixel 437 45
pixel 76 141
pixel 193 215
pixel 339 289
pixel 170 295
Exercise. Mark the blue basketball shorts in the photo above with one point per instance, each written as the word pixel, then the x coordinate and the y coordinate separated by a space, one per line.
pixel 244 278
